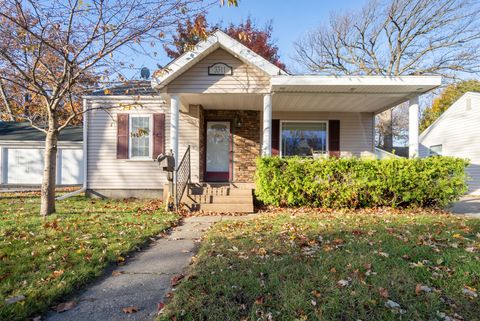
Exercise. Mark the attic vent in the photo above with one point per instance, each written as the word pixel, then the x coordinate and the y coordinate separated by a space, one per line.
pixel 469 104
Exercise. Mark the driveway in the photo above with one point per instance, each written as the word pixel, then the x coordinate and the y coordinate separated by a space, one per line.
pixel 468 206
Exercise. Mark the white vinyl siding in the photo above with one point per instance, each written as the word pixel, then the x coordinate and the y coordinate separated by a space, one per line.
pixel 458 131
pixel 245 78
pixel 105 171
pixel 356 129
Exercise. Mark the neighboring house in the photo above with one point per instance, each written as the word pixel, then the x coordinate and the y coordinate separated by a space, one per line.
pixel 231 106
pixel 457 133
pixel 22 155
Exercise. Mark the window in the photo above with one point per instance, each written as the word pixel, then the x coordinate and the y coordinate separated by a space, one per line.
pixel 436 150
pixel 300 138
pixel 140 137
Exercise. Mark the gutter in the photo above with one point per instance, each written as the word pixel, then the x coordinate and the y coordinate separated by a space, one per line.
pixel 85 157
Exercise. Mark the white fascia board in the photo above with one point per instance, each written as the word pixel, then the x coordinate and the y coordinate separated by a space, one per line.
pixel 218 39
pixel 428 82
pixel 247 55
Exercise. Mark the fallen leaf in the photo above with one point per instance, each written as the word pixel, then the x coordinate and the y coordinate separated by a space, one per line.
pixel 316 293
pixel 343 283
pixel 57 273
pixel 14 299
pixel 176 279
pixel 129 310
pixel 120 260
pixel 65 306
pixel 160 306
pixel 392 304
pixel 418 289
pixel 383 292
pixel 260 300
pixel 117 273
pixel 469 291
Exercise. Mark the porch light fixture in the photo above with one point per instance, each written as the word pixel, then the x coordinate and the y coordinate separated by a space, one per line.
pixel 238 121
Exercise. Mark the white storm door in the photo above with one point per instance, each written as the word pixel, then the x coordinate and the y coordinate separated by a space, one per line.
pixel 218 151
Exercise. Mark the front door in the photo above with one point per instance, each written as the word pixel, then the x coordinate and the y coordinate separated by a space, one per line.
pixel 218 151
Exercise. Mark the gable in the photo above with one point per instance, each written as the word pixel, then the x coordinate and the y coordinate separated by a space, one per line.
pixel 466 107
pixel 244 79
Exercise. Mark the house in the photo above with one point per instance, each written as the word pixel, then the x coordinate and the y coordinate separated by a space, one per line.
pixel 230 106
pixel 457 133
pixel 21 155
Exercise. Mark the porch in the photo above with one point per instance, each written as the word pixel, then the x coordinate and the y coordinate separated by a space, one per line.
pixel 300 115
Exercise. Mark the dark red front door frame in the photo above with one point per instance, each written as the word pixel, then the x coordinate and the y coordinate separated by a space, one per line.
pixel 218 176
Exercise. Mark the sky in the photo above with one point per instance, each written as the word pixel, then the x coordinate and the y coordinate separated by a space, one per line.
pixel 290 19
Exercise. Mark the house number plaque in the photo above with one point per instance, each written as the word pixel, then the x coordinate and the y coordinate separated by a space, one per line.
pixel 220 69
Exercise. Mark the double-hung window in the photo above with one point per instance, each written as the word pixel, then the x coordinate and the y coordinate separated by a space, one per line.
pixel 303 138
pixel 140 137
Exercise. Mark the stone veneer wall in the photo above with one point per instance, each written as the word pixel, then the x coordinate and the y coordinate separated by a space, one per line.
pixel 246 141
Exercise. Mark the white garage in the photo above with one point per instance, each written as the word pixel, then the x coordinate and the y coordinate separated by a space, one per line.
pixel 457 133
pixel 21 155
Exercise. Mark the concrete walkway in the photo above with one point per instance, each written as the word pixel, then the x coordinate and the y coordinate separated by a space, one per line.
pixel 145 280
pixel 468 206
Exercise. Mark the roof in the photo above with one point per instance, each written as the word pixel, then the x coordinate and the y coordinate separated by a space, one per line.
pixel 22 131
pixel 218 39
pixel 133 87
pixel 354 84
pixel 451 109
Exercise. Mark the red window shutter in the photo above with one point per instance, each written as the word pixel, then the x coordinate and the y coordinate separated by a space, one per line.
pixel 122 136
pixel 275 137
pixel 158 135
pixel 334 138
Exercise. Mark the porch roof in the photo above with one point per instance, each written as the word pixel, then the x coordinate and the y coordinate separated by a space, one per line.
pixel 311 93
pixel 347 93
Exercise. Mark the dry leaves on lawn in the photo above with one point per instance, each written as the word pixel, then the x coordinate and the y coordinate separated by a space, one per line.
pixel 383 292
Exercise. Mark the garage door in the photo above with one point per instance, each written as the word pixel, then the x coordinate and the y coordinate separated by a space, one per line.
pixel 24 166
pixel 70 166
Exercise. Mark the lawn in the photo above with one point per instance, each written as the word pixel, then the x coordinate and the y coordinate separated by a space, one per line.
pixel 313 265
pixel 42 260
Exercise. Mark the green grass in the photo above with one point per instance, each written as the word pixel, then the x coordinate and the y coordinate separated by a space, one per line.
pixel 309 265
pixel 46 259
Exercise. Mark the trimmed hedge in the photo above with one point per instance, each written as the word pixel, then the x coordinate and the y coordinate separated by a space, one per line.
pixel 356 182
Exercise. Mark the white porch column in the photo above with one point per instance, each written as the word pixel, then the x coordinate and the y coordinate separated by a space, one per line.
pixel 413 115
pixel 174 111
pixel 267 125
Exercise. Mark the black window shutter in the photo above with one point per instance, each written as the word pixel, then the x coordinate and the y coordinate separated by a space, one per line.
pixel 334 138
pixel 122 136
pixel 275 137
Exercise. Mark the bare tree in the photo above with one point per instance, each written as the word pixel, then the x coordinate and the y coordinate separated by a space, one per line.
pixel 397 37
pixel 51 49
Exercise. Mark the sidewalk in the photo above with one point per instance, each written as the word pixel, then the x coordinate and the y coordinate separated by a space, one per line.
pixel 144 281
pixel 467 206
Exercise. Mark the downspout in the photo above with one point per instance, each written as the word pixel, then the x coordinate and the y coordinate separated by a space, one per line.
pixel 84 187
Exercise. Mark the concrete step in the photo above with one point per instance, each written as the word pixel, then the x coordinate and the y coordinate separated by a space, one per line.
pixel 219 191
pixel 224 207
pixel 221 199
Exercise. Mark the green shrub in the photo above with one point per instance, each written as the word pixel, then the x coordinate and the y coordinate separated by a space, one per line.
pixel 355 182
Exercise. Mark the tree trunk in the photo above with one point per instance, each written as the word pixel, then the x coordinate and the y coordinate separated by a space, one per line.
pixel 388 134
pixel 49 172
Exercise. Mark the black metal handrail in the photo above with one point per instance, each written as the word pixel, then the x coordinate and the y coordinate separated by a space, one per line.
pixel 182 177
